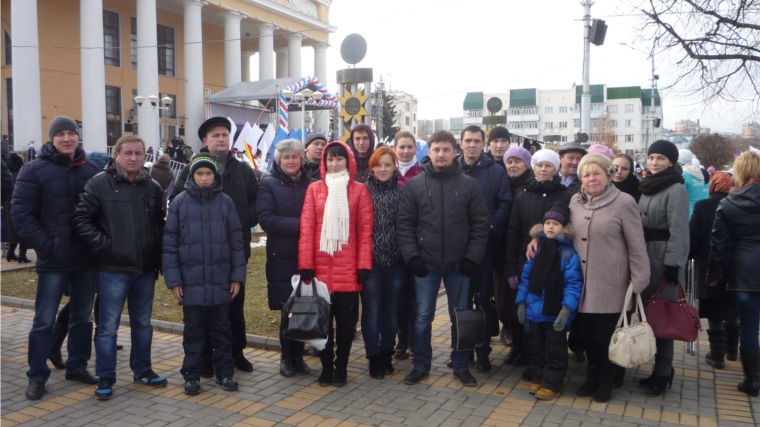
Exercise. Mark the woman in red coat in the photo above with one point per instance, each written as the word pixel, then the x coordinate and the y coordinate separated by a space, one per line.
pixel 335 246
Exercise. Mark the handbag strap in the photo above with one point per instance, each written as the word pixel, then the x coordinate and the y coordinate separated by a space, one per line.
pixel 623 320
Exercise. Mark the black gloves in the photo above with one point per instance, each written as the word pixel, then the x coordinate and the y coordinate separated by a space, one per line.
pixel 418 267
pixel 671 274
pixel 469 268
pixel 362 275
pixel 307 275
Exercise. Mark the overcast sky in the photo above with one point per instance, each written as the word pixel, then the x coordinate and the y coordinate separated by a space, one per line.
pixel 438 50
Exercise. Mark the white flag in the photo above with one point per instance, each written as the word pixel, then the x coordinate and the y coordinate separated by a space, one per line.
pixel 233 130
pixel 249 135
pixel 266 140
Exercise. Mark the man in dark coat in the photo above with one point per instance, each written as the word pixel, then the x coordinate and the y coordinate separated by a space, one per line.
pixel 238 182
pixel 493 182
pixel 362 143
pixel 42 206
pixel 314 144
pixel 121 215
pixel 570 155
pixel 442 228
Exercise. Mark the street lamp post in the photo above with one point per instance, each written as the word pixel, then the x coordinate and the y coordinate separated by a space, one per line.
pixel 301 98
pixel 151 137
pixel 654 79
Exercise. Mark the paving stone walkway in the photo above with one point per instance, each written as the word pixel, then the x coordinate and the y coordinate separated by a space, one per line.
pixel 700 395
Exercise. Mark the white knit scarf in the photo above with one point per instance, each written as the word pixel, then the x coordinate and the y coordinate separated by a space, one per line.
pixel 403 167
pixel 335 223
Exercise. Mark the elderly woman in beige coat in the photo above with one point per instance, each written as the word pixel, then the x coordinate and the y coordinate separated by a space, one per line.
pixel 610 242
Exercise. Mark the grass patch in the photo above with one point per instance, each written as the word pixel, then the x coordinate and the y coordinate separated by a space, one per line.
pixel 259 319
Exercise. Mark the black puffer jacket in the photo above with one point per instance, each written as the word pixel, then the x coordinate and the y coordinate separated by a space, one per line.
pixel 442 217
pixel 528 210
pixel 700 229
pixel 736 239
pixel 238 182
pixel 385 199
pixel 203 246
pixel 122 221
pixel 278 206
pixel 312 171
pixel 43 203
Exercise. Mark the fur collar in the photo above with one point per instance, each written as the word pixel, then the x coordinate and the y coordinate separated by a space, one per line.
pixel 567 234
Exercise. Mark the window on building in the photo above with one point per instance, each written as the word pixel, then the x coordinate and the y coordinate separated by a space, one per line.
pixel 613 123
pixel 133 41
pixel 562 110
pixel 612 108
pixel 629 138
pixel 172 111
pixel 548 110
pixel 629 108
pixel 111 38
pixel 629 123
pixel 597 107
pixel 408 107
pixel 134 103
pixel 548 125
pixel 594 123
pixel 113 113
pixel 530 110
pixel 8 49
pixel 165 51
pixel 407 121
pixel 577 123
pixel 415 117
pixel 414 130
pixel 9 98
pixel 532 125
pixel 617 138
pixel 562 125
pixel 563 139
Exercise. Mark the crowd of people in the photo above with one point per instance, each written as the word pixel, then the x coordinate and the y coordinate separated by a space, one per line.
pixel 546 243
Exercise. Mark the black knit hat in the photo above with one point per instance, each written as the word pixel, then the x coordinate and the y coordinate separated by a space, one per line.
pixel 666 148
pixel 559 212
pixel 60 124
pixel 498 132
pixel 202 161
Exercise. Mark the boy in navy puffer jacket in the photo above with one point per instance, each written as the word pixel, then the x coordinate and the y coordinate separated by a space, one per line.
pixel 204 266
pixel 548 299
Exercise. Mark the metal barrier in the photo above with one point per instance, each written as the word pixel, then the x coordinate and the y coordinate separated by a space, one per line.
pixel 691 347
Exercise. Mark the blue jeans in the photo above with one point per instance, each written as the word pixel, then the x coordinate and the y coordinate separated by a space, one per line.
pixel 427 295
pixel 51 285
pixel 381 298
pixel 113 290
pixel 749 319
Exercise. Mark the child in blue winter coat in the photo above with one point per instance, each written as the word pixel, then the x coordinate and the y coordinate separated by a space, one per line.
pixel 204 266
pixel 547 300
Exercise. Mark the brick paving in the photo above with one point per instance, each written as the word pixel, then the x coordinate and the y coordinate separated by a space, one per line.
pixel 700 395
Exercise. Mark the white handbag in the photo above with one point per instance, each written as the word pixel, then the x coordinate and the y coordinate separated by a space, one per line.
pixel 632 344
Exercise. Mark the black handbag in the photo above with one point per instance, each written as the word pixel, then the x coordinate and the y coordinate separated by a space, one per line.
pixel 305 317
pixel 467 326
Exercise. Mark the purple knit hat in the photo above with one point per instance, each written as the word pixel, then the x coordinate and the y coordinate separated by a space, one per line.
pixel 520 153
pixel 601 149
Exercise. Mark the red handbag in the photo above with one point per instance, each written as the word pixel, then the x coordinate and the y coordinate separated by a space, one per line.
pixel 672 320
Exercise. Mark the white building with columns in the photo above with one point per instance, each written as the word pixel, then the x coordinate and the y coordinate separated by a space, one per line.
pixel 88 59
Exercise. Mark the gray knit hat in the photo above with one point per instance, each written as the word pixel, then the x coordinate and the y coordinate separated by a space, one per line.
pixel 62 123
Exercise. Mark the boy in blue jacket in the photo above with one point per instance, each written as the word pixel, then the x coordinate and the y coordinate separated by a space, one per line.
pixel 204 266
pixel 547 300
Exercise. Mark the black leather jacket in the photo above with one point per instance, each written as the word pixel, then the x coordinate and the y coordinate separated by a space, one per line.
pixel 121 221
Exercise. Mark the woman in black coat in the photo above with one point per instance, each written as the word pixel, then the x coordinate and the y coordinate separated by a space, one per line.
pixel 625 179
pixel 278 207
pixel 528 210
pixel 716 303
pixel 14 164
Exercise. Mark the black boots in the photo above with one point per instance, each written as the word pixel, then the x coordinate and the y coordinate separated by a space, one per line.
pixel 732 342
pixel 387 360
pixel 603 391
pixel 22 254
pixel 328 369
pixel 11 254
pixel 592 379
pixel 286 358
pixel 298 363
pixel 751 367
pixel 619 377
pixel 376 367
pixel 59 334
pixel 658 384
pixel 717 339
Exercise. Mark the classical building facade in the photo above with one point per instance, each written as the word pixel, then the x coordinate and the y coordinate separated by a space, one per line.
pixel 88 59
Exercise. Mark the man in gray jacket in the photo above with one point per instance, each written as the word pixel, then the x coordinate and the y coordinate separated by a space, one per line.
pixel 442 230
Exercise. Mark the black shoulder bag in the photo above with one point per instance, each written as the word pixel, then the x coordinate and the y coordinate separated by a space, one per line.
pixel 467 326
pixel 305 317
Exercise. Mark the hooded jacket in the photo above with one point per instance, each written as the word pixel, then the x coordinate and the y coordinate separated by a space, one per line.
pixel 695 185
pixel 44 198
pixel 736 239
pixel 571 273
pixel 529 209
pixel 162 174
pixel 442 217
pixel 122 221
pixel 339 270
pixel 362 165
pixel 240 183
pixel 203 245
pixel 278 206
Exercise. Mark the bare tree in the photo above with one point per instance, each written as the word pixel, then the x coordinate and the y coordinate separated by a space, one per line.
pixel 715 44
pixel 603 133
pixel 713 150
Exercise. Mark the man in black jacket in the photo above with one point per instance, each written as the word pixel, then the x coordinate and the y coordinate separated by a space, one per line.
pixel 42 205
pixel 442 230
pixel 238 182
pixel 121 215
pixel 315 143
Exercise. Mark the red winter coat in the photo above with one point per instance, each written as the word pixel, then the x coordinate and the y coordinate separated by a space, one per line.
pixel 337 271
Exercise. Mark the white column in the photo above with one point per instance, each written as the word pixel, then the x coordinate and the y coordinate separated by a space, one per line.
pixel 147 72
pixel 282 62
pixel 27 110
pixel 93 76
pixel 295 119
pixel 245 58
pixel 232 48
pixel 266 51
pixel 322 120
pixel 195 112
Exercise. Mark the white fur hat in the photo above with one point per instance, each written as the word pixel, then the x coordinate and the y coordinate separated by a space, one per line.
pixel 545 156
